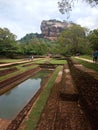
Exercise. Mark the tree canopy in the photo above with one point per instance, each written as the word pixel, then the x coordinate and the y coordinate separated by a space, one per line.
pixel 73 40
pixel 7 42
pixel 93 39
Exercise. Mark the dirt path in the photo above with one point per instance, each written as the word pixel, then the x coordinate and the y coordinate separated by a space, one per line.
pixel 4 124
pixel 14 63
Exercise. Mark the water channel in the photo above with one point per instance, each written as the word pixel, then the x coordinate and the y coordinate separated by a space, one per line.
pixel 15 99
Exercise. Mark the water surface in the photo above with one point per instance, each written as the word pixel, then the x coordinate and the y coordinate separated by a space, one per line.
pixel 15 99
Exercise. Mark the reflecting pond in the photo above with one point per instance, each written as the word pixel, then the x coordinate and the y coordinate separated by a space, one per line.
pixel 15 99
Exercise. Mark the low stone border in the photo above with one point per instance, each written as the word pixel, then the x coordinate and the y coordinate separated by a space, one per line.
pixel 7 71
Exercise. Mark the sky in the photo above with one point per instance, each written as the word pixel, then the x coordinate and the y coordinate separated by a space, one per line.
pixel 22 17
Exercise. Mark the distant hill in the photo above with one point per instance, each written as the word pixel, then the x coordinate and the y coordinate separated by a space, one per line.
pixel 28 37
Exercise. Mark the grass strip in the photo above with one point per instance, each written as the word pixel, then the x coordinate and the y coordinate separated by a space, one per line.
pixel 34 116
pixel 55 61
pixel 41 61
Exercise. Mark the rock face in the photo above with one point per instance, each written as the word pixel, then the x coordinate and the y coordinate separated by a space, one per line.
pixel 52 28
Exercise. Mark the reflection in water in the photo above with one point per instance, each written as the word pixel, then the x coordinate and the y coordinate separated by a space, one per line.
pixel 14 100
pixel 8 93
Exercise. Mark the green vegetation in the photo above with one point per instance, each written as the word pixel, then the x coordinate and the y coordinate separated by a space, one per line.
pixel 71 41
pixel 40 60
pixel 93 39
pixel 34 44
pixel 93 66
pixel 8 46
pixel 28 37
pixel 39 106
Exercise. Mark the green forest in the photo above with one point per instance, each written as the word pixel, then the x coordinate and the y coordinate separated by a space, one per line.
pixel 75 39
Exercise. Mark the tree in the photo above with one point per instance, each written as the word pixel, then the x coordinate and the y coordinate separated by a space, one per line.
pixel 73 40
pixel 65 6
pixel 36 46
pixel 93 39
pixel 8 45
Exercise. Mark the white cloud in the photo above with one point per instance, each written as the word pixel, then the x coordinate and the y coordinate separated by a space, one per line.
pixel 25 16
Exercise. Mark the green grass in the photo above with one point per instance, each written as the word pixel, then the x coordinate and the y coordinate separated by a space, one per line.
pixel 40 60
pixel 52 61
pixel 87 64
pixel 55 61
pixel 34 116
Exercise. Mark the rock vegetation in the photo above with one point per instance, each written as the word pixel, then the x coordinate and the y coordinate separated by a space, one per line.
pixel 52 28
